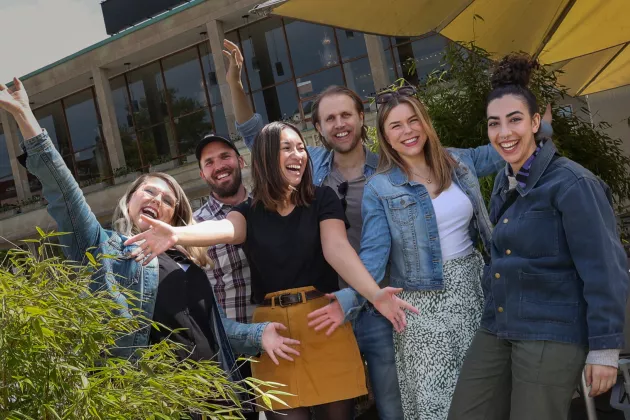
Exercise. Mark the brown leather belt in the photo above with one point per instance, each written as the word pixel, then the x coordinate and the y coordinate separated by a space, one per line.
pixel 289 299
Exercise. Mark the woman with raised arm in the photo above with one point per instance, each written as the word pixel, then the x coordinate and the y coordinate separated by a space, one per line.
pixel 295 239
pixel 556 290
pixel 173 289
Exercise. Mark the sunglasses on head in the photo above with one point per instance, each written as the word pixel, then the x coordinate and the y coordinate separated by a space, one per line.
pixel 388 95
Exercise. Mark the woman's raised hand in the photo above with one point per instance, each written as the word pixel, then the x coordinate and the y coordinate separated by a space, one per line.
pixel 152 242
pixel 14 100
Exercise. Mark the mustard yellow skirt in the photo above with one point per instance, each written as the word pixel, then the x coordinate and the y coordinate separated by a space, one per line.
pixel 328 369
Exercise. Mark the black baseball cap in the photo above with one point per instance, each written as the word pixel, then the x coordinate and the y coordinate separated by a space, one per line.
pixel 212 138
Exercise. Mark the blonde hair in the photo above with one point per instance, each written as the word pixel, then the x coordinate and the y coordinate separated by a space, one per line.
pixel 437 158
pixel 182 215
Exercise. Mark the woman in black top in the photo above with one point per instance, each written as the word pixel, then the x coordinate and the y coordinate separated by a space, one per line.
pixel 295 238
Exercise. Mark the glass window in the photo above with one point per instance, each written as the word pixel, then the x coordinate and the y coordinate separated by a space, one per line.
pixel 92 164
pixel 130 149
pixel 157 144
pixel 428 53
pixel 315 83
pixel 220 123
pixel 8 195
pixel 312 46
pixel 51 118
pixel 359 77
pixel 83 120
pixel 184 84
pixel 404 63
pixel 190 129
pixel 278 103
pixel 121 103
pixel 265 53
pixel 210 73
pixel 351 44
pixel 148 100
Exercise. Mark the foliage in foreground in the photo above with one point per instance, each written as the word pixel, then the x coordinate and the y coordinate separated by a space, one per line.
pixel 54 362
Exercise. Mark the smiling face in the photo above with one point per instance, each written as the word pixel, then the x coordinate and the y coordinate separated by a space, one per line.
pixel 293 156
pixel 404 131
pixel 221 169
pixel 340 123
pixel 511 129
pixel 153 198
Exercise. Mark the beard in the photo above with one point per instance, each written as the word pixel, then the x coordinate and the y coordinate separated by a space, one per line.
pixel 346 148
pixel 224 191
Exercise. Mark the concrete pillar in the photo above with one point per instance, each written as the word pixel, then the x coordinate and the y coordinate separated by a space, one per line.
pixel 108 118
pixel 378 64
pixel 215 37
pixel 20 176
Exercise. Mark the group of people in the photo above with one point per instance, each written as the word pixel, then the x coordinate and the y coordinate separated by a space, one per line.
pixel 339 256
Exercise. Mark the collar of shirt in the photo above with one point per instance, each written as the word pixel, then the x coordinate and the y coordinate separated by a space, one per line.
pixel 522 175
pixel 213 206
pixel 371 160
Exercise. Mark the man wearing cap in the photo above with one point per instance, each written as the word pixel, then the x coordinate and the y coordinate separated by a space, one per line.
pixel 220 165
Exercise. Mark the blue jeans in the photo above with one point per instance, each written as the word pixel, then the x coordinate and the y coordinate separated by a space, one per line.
pixel 374 335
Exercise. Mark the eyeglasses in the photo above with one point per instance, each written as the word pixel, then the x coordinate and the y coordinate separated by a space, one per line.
pixel 153 193
pixel 343 190
pixel 389 94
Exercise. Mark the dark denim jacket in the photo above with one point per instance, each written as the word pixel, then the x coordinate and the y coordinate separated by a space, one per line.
pixel 558 270
pixel 68 208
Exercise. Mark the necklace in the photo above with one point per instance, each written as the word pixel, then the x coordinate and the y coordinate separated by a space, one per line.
pixel 423 177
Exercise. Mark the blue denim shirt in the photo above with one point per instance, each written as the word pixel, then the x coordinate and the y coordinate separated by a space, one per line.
pixel 400 228
pixel 321 158
pixel 68 208
pixel 558 269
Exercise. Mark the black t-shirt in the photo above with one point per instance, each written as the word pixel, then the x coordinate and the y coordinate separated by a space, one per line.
pixel 285 252
pixel 185 300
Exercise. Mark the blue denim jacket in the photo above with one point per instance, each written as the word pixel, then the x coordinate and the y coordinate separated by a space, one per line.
pixel 68 208
pixel 558 270
pixel 400 228
pixel 321 158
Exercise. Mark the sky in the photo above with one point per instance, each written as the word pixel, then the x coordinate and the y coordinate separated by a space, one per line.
pixel 35 33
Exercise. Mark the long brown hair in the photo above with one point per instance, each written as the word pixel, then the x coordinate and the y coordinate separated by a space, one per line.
pixel 338 90
pixel 437 158
pixel 182 215
pixel 270 185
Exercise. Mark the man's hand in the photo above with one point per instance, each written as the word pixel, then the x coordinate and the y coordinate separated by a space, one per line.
pixel 330 316
pixel 600 378
pixel 14 100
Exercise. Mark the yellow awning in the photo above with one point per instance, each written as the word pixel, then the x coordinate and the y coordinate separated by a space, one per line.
pixel 586 38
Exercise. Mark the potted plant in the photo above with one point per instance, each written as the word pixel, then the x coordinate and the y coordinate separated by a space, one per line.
pixel 8 210
pixel 161 164
pixel 30 204
pixel 92 184
pixel 125 174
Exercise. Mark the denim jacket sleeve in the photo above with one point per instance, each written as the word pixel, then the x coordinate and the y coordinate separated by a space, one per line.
pixel 375 247
pixel 591 233
pixel 244 338
pixel 66 204
pixel 250 129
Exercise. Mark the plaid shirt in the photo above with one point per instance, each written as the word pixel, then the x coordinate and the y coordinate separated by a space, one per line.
pixel 230 277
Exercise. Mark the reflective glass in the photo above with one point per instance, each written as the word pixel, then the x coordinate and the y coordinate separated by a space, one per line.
pixel 92 164
pixel 184 84
pixel 359 77
pixel 83 120
pixel 220 123
pixel 7 186
pixel 278 103
pixel 51 118
pixel 265 53
pixel 210 73
pixel 351 43
pixel 157 144
pixel 313 84
pixel 312 46
pixel 190 129
pixel 148 100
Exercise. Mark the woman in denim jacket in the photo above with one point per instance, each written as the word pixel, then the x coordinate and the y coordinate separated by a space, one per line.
pixel 557 285
pixel 212 335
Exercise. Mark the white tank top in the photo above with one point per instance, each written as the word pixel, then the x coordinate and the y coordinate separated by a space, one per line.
pixel 453 212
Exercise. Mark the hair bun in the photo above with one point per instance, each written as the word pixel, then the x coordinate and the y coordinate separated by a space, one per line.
pixel 513 69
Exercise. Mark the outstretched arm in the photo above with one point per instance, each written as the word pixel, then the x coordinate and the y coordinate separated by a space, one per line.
pixel 242 107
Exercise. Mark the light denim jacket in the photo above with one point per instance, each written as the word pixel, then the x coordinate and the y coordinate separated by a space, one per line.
pixel 400 228
pixel 69 209
pixel 321 158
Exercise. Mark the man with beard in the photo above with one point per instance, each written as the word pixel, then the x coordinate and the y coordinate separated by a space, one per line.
pixel 344 164
pixel 220 165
